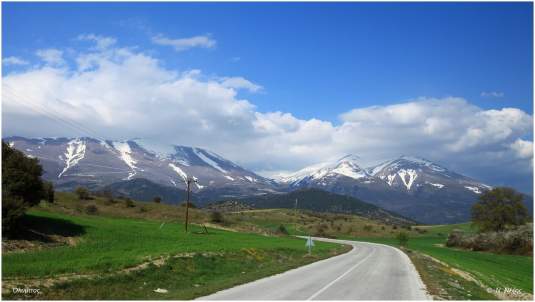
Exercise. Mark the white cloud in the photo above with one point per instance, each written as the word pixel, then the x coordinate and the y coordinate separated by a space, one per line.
pixel 185 43
pixel 240 83
pixel 121 93
pixel 51 56
pixel 523 149
pixel 14 61
pixel 494 94
pixel 101 42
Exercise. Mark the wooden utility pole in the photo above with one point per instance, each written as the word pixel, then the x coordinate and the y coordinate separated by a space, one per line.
pixel 188 185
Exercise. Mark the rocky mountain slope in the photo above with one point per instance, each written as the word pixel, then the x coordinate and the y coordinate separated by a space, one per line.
pixel 70 162
pixel 411 186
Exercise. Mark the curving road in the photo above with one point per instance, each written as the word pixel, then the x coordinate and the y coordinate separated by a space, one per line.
pixel 368 272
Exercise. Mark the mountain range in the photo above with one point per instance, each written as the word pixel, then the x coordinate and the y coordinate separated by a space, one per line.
pixel 95 163
pixel 413 187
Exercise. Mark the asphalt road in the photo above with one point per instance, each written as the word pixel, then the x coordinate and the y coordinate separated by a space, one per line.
pixel 368 272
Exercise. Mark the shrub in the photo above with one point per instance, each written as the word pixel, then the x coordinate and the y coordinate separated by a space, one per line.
pixel 91 209
pixel 82 193
pixel 403 238
pixel 514 241
pixel 143 210
pixel 22 186
pixel 498 208
pixel 129 203
pixel 282 230
pixel 368 228
pixel 157 199
pixel 216 217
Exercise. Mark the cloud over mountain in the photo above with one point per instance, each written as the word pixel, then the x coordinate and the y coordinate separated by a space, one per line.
pixel 120 92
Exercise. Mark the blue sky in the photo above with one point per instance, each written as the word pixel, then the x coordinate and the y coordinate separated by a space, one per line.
pixel 316 60
pixel 279 86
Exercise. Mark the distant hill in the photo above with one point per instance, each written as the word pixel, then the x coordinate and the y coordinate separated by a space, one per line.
pixel 145 190
pixel 323 201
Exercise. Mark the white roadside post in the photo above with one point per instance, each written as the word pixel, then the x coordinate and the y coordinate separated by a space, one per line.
pixel 309 244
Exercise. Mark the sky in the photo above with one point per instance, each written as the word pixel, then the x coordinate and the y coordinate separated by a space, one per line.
pixel 279 86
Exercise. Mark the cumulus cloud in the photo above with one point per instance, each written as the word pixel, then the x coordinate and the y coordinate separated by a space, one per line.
pixel 51 56
pixel 14 61
pixel 184 43
pixel 240 83
pixel 119 93
pixel 523 149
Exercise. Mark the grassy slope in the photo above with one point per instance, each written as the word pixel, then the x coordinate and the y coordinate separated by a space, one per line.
pixel 109 243
pixel 495 271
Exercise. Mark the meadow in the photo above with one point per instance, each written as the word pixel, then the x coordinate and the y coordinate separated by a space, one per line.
pixel 108 255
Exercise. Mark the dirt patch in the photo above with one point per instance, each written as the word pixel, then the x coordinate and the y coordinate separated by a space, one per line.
pixel 21 245
pixel 8 284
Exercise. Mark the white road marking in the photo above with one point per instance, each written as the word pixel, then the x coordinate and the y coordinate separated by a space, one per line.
pixel 340 277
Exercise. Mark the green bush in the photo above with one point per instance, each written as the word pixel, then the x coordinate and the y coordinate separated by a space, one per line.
pixel 282 230
pixel 157 199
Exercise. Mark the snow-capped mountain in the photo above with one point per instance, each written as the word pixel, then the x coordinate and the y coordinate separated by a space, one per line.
pixel 411 186
pixel 407 172
pixel 323 173
pixel 70 162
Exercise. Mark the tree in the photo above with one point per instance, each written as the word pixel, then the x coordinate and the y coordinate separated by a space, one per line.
pixel 22 186
pixel 216 217
pixel 403 238
pixel 499 208
pixel 129 203
pixel 157 199
pixel 83 193
pixel 48 191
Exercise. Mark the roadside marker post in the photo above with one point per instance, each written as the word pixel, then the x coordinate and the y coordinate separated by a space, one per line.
pixel 309 244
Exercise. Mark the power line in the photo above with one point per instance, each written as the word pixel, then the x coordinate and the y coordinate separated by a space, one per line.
pixel 36 107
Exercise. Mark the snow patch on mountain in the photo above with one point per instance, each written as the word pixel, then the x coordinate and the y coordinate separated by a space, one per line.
pixel 11 144
pixel 440 186
pixel 391 179
pixel 403 173
pixel 179 171
pixel 126 156
pixel 473 189
pixel 208 160
pixel 75 153
pixel 351 170
pixel 229 178
pixel 250 179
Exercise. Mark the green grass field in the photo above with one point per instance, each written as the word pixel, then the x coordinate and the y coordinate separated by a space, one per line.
pixel 494 270
pixel 107 245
